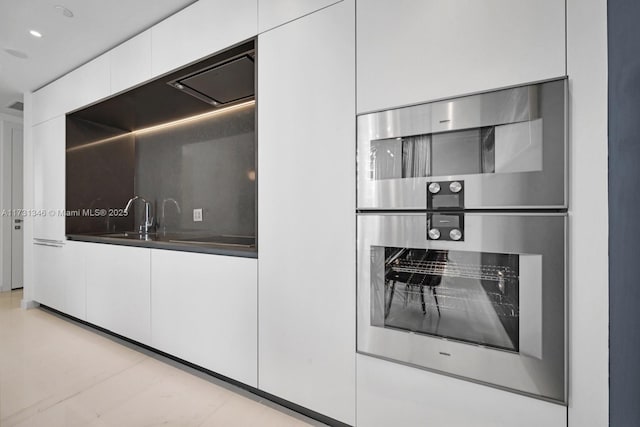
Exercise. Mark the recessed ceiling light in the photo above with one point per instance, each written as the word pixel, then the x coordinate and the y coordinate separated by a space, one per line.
pixel 35 33
pixel 66 12
pixel 17 53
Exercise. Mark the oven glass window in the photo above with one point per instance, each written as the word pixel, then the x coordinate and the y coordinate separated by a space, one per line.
pixel 466 296
pixel 514 147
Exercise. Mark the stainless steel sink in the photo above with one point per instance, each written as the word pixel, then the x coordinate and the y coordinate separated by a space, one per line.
pixel 187 239
pixel 134 235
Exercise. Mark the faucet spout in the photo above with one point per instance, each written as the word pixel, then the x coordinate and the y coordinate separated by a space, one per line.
pixel 148 222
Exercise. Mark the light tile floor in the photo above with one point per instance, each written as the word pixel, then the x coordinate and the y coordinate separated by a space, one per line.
pixel 55 372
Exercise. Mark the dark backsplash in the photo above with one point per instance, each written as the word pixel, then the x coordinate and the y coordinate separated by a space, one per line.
pixel 206 164
pixel 100 176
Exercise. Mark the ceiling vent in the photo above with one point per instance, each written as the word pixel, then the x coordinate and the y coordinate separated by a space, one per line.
pixel 18 106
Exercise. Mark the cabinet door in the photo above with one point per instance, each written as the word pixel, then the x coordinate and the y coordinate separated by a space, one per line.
pixel 392 394
pixel 49 179
pixel 204 310
pixel 205 27
pixel 416 51
pixel 80 87
pixel 119 290
pixel 272 13
pixel 49 274
pixel 131 62
pixel 75 290
pixel 306 211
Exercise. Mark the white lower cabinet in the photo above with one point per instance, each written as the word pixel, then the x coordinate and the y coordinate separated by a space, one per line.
pixel 391 394
pixel 204 310
pixel 75 294
pixel 49 274
pixel 59 280
pixel 119 290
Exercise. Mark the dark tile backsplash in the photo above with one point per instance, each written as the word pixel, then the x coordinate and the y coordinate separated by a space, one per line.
pixel 206 164
pixel 98 176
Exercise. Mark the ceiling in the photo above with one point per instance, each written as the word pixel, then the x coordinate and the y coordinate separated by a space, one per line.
pixel 66 42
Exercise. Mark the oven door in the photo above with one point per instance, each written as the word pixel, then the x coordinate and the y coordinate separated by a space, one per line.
pixel 489 307
pixel 508 146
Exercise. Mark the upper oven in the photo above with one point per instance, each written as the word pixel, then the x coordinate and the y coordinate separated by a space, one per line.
pixel 507 146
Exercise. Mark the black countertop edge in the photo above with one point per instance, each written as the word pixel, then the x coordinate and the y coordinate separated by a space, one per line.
pixel 181 247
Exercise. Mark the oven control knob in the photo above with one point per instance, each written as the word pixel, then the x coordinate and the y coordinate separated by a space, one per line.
pixel 455 187
pixel 434 234
pixel 434 188
pixel 455 234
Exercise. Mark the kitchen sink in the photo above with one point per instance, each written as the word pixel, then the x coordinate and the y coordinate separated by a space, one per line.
pixel 225 240
pixel 131 235
pixel 187 239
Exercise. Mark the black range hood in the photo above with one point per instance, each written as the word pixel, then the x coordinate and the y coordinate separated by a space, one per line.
pixel 221 84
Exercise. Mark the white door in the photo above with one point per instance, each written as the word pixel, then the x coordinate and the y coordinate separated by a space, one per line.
pixel 16 203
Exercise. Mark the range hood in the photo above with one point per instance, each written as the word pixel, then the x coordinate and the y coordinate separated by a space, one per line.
pixel 221 80
pixel 220 84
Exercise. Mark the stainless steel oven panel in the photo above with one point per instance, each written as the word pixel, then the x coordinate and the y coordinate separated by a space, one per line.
pixel 530 136
pixel 487 109
pixel 539 367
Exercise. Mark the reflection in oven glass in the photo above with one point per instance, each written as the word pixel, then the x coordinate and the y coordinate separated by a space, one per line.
pixel 467 296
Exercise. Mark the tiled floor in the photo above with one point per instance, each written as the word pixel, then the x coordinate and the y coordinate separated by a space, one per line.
pixel 54 372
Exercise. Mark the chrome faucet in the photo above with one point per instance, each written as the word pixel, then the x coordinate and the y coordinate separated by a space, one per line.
pixel 163 221
pixel 147 226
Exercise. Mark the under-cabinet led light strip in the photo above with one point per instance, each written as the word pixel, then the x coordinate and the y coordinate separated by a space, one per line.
pixel 162 126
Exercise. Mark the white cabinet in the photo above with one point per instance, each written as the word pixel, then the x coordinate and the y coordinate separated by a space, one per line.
pixel 49 274
pixel 415 51
pixel 84 85
pixel 272 13
pixel 391 394
pixel 204 310
pixel 131 62
pixel 49 179
pixel 205 27
pixel 75 293
pixel 306 211
pixel 119 290
pixel 59 277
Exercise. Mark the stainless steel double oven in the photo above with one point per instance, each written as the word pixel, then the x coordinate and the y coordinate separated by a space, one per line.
pixel 462 237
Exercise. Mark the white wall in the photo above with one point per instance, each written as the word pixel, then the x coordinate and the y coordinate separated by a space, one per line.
pixel 7 123
pixel 588 213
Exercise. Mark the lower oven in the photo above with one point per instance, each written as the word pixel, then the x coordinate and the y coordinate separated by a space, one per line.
pixel 490 307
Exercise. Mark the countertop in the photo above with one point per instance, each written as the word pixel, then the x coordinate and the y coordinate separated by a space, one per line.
pixel 238 246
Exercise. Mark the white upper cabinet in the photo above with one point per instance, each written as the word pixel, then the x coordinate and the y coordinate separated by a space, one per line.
pixel 204 310
pixel 131 62
pixel 82 86
pixel 272 13
pixel 415 51
pixel 49 179
pixel 205 27
pixel 306 211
